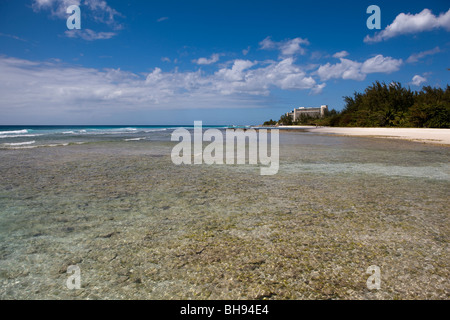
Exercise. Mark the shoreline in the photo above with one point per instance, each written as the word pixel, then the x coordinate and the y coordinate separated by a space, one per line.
pixel 423 135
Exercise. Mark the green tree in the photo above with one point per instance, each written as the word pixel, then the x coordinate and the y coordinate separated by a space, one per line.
pixel 285 120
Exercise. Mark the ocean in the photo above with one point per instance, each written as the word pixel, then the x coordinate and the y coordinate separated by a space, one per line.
pixel 26 137
pixel 109 201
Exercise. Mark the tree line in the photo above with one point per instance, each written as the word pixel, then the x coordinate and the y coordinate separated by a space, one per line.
pixel 385 105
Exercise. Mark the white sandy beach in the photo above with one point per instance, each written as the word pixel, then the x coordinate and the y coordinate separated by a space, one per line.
pixel 425 135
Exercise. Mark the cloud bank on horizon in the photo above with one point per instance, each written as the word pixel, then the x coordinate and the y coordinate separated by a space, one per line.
pixel 220 80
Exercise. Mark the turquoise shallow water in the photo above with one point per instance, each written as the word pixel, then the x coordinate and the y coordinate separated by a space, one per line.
pixel 140 227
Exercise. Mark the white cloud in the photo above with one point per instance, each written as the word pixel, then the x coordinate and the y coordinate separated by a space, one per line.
pixel 418 80
pixel 380 64
pixel 346 69
pixel 98 11
pixel 292 47
pixel 316 55
pixel 244 78
pixel 318 89
pixel 56 7
pixel 236 73
pixel 417 56
pixel 341 54
pixel 89 35
pixel 103 13
pixel 12 37
pixel 412 23
pixel 267 43
pixel 205 61
pixel 352 70
pixel 287 48
pixel 162 19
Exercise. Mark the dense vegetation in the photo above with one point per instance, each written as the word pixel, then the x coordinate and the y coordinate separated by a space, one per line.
pixel 387 105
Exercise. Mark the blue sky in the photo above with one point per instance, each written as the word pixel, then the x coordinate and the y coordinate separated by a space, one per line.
pixel 223 62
